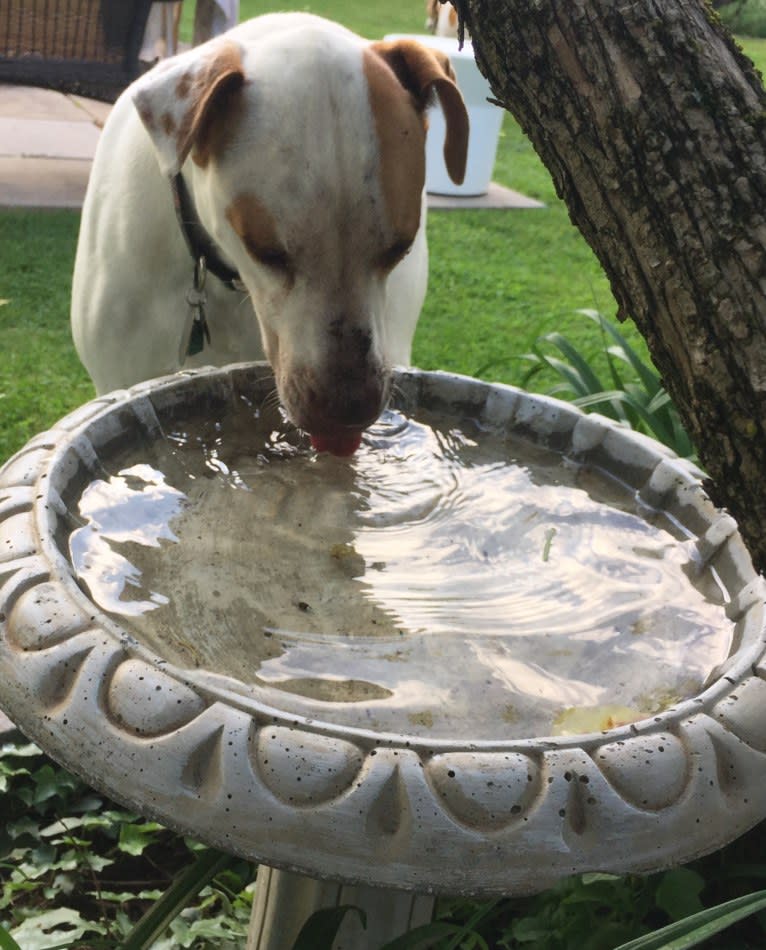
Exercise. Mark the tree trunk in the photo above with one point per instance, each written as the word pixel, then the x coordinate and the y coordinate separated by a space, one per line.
pixel 653 125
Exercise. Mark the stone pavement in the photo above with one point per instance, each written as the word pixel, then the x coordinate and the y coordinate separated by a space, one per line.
pixel 47 141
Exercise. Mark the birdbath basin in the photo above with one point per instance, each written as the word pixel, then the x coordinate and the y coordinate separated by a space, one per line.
pixel 504 643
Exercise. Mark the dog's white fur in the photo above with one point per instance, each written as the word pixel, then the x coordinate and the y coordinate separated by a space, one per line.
pixel 303 148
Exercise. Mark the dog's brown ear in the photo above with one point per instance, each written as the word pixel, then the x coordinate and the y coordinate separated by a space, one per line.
pixel 183 103
pixel 423 71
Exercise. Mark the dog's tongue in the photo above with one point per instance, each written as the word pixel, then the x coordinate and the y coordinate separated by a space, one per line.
pixel 342 443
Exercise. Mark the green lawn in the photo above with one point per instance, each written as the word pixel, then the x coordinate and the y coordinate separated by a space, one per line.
pixel 40 376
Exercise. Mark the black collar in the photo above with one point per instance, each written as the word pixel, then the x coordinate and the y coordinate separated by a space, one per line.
pixel 200 243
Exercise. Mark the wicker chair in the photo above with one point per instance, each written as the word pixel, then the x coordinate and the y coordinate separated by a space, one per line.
pixel 88 47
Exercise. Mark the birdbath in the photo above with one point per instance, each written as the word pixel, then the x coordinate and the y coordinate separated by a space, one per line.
pixel 504 643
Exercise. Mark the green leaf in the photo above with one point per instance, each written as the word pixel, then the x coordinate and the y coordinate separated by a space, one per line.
pixel 532 930
pixel 678 893
pixel 6 940
pixel 693 930
pixel 177 897
pixel 215 932
pixel 320 930
pixel 51 783
pixel 124 897
pixel 597 877
pixel 134 839
pixel 63 826
pixel 12 750
pixel 97 862
pixel 24 826
pixel 93 802
pixel 37 932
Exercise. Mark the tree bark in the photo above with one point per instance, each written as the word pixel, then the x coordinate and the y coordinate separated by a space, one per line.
pixel 653 125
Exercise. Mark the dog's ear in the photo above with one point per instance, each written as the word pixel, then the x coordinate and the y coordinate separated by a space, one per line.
pixel 423 71
pixel 183 102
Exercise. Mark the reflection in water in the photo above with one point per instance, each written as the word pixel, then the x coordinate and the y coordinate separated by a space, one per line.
pixel 134 507
pixel 434 583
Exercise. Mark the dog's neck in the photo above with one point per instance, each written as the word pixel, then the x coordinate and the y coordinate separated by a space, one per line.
pixel 201 245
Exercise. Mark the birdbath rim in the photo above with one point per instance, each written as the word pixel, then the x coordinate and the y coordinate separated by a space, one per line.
pixel 385 808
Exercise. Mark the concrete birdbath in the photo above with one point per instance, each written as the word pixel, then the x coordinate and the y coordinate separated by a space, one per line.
pixel 504 643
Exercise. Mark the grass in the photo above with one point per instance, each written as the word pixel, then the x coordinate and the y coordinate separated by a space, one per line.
pixel 40 376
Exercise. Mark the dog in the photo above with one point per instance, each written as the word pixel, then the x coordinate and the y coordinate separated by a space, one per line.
pixel 441 18
pixel 262 195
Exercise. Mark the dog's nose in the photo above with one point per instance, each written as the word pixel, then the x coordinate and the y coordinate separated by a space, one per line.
pixel 345 402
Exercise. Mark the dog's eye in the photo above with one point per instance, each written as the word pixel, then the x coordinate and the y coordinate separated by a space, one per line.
pixel 274 258
pixel 393 254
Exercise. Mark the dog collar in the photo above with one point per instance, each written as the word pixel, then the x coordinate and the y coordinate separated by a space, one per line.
pixel 201 245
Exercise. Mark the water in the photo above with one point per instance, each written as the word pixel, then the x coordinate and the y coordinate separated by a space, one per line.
pixel 443 582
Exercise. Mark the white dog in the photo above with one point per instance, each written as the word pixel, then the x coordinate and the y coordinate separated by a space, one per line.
pixel 283 162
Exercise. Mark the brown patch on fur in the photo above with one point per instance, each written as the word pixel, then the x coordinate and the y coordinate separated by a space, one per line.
pixel 147 116
pixel 423 71
pixel 206 123
pixel 168 123
pixel 257 229
pixel 184 86
pixel 401 136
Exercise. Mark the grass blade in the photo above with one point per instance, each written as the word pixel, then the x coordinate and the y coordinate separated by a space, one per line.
pixel 574 380
pixel 691 931
pixel 611 402
pixel 591 382
pixel 483 912
pixel 185 887
pixel 646 372
pixel 6 940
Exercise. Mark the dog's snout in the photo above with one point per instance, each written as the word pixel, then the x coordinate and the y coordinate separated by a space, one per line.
pixel 343 398
pixel 346 400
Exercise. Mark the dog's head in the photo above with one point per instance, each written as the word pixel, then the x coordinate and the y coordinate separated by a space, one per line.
pixel 307 162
